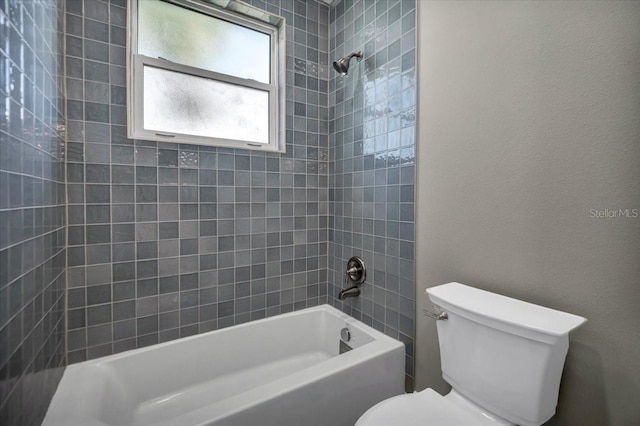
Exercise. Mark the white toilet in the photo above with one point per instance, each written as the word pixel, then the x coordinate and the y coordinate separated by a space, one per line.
pixel 502 357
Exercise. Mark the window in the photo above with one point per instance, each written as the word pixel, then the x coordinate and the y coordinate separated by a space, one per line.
pixel 206 75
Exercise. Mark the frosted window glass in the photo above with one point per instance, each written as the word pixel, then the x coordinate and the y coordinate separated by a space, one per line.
pixel 182 103
pixel 191 38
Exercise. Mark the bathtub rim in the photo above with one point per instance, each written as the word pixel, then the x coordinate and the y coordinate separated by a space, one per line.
pixel 349 321
pixel 381 345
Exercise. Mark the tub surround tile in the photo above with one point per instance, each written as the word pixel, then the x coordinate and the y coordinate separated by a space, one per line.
pixel 372 163
pixel 193 238
pixel 32 210
pixel 169 240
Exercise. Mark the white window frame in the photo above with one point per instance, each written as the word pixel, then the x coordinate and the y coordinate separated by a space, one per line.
pixel 135 79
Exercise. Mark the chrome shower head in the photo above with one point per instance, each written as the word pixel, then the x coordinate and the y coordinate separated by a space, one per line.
pixel 342 64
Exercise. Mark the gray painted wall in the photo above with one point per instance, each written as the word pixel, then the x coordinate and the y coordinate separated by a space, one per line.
pixel 529 118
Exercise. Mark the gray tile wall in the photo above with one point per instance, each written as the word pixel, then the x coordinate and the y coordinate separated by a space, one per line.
pixel 32 211
pixel 372 163
pixel 168 240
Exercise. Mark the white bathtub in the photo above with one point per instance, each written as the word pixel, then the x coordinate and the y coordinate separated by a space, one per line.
pixel 279 371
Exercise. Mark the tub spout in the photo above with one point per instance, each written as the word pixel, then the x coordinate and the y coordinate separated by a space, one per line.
pixel 349 292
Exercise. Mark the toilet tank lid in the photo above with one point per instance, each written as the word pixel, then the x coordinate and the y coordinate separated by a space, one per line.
pixel 504 309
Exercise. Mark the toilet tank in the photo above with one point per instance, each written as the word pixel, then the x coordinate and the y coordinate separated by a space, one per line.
pixel 504 354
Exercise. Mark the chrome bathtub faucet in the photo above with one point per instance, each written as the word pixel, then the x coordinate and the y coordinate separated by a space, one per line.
pixel 356 272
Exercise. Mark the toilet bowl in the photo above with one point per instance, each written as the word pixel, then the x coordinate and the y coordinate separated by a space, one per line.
pixel 429 408
pixel 503 358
